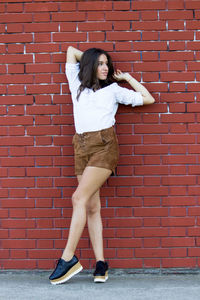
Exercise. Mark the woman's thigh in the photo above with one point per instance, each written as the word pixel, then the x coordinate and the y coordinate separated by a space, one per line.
pixel 94 202
pixel 90 182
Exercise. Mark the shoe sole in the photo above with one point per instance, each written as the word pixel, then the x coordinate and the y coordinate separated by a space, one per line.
pixel 73 271
pixel 101 278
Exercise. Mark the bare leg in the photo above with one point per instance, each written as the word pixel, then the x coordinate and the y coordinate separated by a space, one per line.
pixel 95 227
pixel 91 180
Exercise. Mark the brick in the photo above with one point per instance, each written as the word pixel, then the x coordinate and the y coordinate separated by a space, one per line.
pixel 178 170
pixel 68 16
pixel 124 243
pixel 151 170
pixel 176 4
pixel 121 5
pixel 122 25
pixel 13 100
pixel 192 5
pixel 96 36
pixel 178 221
pixel 17 183
pixel 18 264
pixel 16 120
pixel 177 46
pixel 177 56
pixel 16 58
pixel 39 7
pixel 176 15
pixel 90 5
pixel 151 191
pixel 150 232
pixel 151 253
pixel 16 18
pixel 179 180
pixel 15 90
pixel 14 172
pixel 179 252
pixel 150 212
pixel 41 17
pixel 42 47
pixel 68 6
pixel 95 26
pixel 140 128
pixel 175 25
pixel 160 149
pixel 152 263
pixel 122 15
pixel 42 68
pixel 45 193
pixel 126 263
pixel 178 139
pixel 97 15
pixel 178 263
pixel 150 66
pixel 149 25
pixel 16 141
pixel 42 172
pixel 44 130
pixel 150 46
pixel 176 76
pixel 182 35
pixel 177 108
pixel 43 110
pixel 149 15
pixel 150 36
pixel 146 5
pixel 18 223
pixel 178 118
pixel 69 37
pixel 123 36
pixel 194 24
pixel 41 253
pixel 44 213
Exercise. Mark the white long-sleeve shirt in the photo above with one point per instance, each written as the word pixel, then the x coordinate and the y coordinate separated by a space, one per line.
pixel 96 110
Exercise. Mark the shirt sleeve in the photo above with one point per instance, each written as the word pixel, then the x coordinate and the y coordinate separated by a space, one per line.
pixel 127 97
pixel 71 71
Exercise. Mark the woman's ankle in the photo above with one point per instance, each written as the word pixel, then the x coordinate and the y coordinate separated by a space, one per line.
pixel 67 257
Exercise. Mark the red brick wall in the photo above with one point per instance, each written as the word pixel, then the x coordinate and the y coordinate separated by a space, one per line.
pixel 151 209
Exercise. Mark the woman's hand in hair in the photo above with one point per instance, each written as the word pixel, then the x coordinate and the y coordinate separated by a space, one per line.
pixel 137 86
pixel 119 75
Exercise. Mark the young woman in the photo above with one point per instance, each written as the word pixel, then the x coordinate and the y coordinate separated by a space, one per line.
pixel 95 98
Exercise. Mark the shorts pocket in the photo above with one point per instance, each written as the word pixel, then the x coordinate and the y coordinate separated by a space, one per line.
pixel 107 136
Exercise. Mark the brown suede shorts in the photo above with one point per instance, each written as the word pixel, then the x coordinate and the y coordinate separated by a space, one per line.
pixel 96 149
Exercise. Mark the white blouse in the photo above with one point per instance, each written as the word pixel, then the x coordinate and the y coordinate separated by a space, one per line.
pixel 96 110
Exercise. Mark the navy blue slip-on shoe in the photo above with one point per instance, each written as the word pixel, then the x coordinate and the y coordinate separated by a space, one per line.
pixel 65 270
pixel 101 272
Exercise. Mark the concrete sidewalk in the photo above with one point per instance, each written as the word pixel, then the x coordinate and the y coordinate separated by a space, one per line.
pixel 34 285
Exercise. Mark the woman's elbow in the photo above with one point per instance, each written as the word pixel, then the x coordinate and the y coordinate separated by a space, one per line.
pixel 148 100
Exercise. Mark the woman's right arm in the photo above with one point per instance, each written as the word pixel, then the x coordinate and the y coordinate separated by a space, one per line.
pixel 73 55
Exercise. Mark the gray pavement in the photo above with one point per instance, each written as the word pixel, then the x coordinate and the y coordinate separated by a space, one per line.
pixel 34 285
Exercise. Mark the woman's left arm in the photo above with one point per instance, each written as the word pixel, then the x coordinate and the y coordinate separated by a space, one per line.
pixel 138 87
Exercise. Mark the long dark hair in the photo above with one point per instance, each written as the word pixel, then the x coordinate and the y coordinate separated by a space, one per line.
pixel 88 70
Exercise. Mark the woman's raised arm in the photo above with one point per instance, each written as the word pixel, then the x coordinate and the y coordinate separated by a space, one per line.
pixel 138 87
pixel 73 55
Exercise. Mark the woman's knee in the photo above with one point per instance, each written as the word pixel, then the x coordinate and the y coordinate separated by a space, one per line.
pixel 79 199
pixel 93 208
pixel 75 199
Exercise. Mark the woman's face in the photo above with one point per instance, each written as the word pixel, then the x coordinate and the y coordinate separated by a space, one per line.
pixel 102 69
